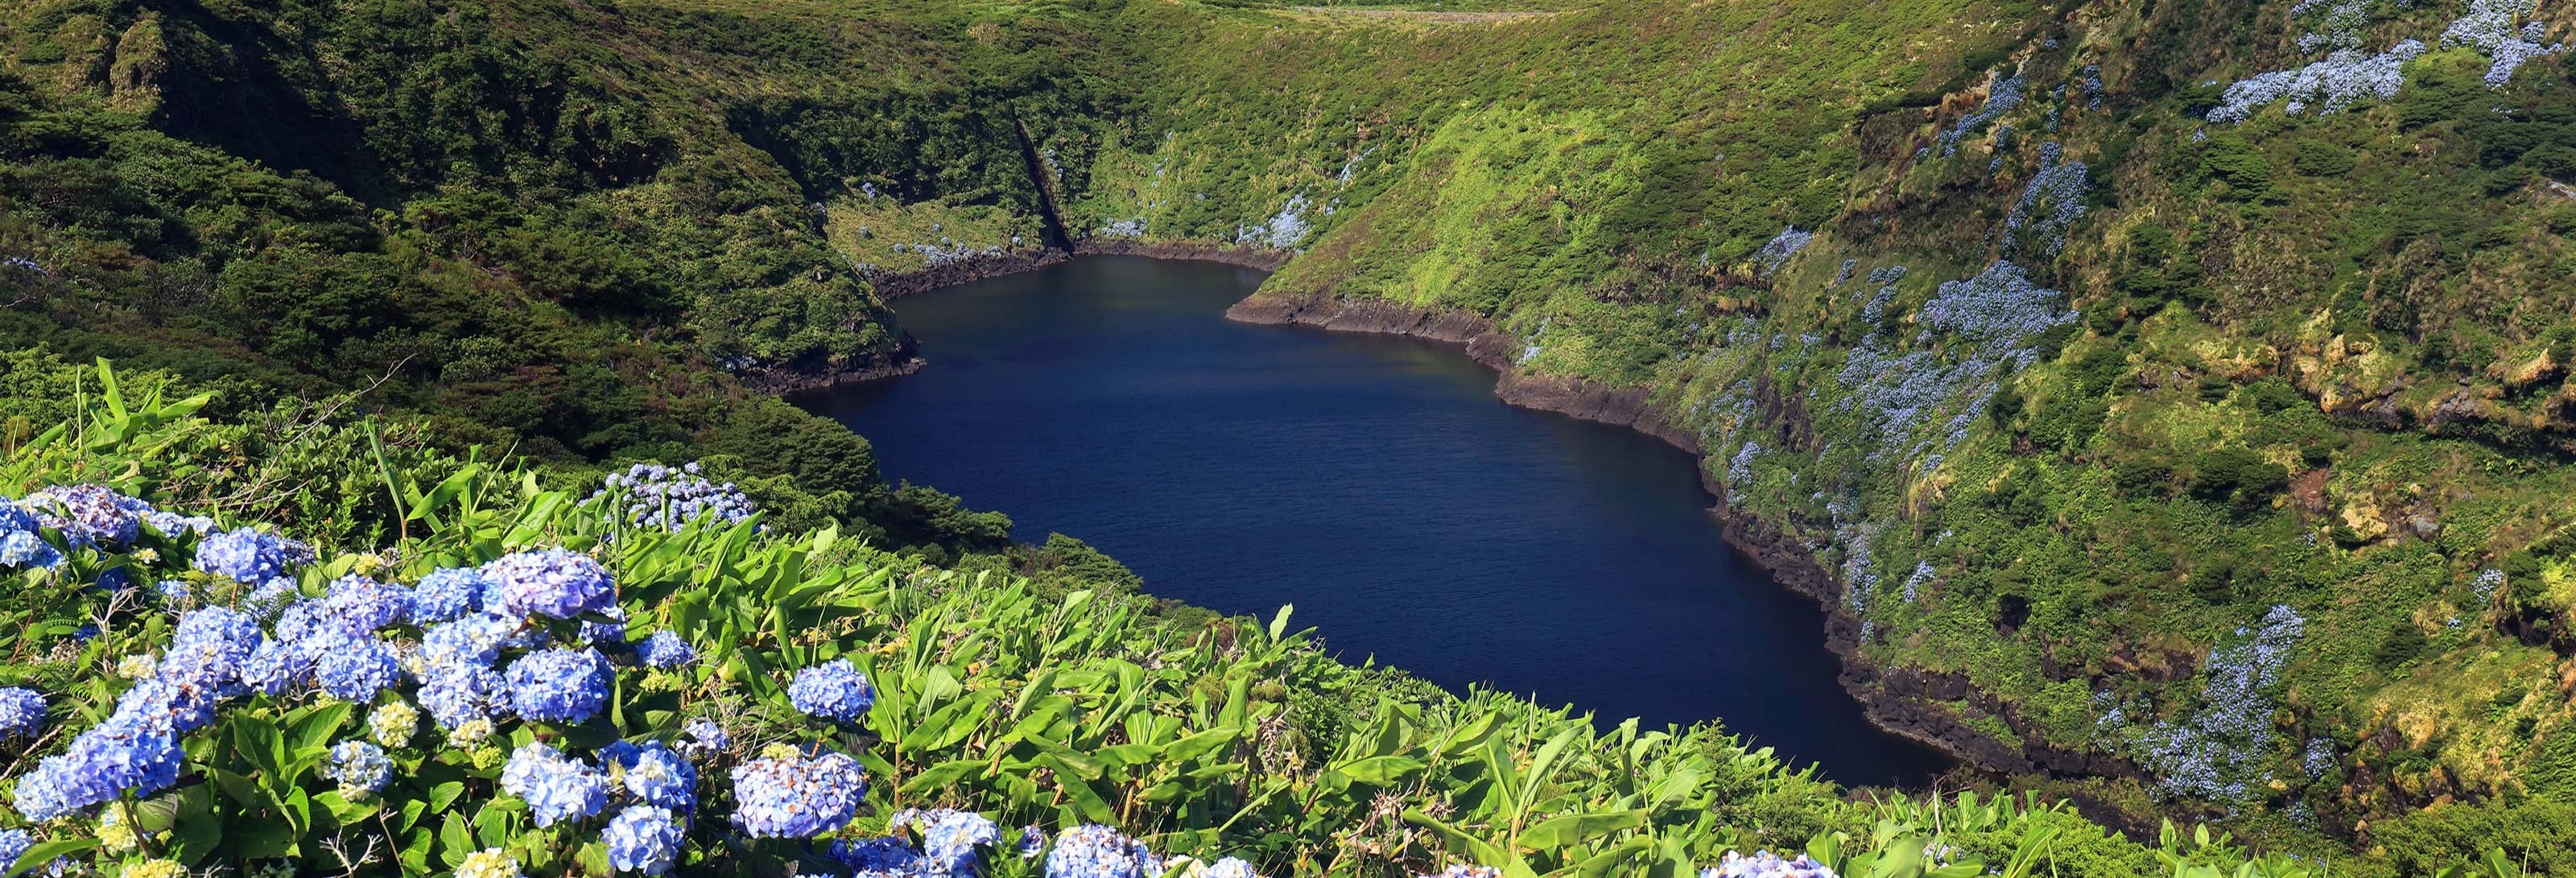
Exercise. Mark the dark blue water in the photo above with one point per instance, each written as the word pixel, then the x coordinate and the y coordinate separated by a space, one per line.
pixel 1374 482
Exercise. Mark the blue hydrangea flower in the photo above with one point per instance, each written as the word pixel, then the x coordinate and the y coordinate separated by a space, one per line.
pixel 658 775
pixel 277 667
pixel 555 583
pixel 175 594
pixel 21 549
pixel 949 837
pixel 881 855
pixel 173 524
pixel 797 798
pixel 13 844
pixel 666 650
pixel 1094 851
pixel 556 787
pixel 356 668
pixel 1231 867
pixel 447 593
pixel 472 641
pixel 360 604
pixel 835 691
pixel 642 839
pixel 705 738
pixel 559 685
pixel 1766 865
pixel 125 753
pixel 359 767
pixel 297 620
pixel 661 497
pixel 248 555
pixel 89 515
pixel 178 707
pixel 22 712
pixel 210 647
pixel 609 635
pixel 456 695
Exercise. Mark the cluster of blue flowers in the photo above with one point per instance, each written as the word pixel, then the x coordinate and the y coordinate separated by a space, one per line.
pixel 253 557
pixel 665 650
pixel 2003 93
pixel 788 796
pixel 554 583
pixel 1999 309
pixel 361 768
pixel 949 846
pixel 644 839
pixel 2051 204
pixel 834 690
pixel 1093 851
pixel 22 712
pixel 89 515
pixel 670 498
pixel 135 751
pixel 655 785
pixel 2343 78
pixel 1782 246
pixel 558 685
pixel 1283 230
pixel 557 788
pixel 2219 752
pixel 1995 316
pixel 20 545
pixel 345 644
pixel 2490 26
pixel 2341 28
pixel 1766 865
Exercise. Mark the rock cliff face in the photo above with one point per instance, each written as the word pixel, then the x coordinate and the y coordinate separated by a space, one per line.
pixel 1624 406
pixel 975 268
pixel 817 373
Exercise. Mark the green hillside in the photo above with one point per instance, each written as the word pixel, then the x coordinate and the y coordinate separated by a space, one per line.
pixel 2170 396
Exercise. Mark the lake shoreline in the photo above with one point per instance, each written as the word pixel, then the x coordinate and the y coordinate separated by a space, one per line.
pixel 803 376
pixel 1906 702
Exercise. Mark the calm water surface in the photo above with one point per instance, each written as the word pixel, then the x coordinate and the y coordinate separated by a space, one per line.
pixel 1374 482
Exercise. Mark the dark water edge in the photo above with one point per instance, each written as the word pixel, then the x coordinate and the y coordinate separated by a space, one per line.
pixel 1372 481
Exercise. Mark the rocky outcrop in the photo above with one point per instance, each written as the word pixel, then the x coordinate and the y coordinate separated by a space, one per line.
pixel 974 268
pixel 967 270
pixel 816 373
pixel 1263 258
pixel 1624 406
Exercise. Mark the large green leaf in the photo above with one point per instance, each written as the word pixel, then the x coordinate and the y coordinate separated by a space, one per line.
pixel 1573 829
